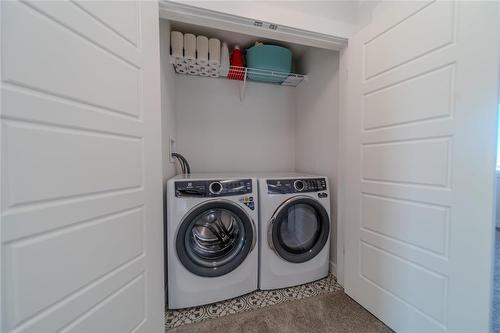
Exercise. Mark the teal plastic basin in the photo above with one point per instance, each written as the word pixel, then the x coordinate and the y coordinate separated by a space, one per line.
pixel 271 58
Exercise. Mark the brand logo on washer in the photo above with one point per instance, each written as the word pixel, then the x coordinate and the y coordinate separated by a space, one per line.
pixel 248 201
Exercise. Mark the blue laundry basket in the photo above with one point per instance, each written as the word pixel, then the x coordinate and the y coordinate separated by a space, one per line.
pixel 268 58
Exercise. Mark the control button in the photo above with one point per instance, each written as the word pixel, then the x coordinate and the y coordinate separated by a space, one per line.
pixel 322 195
pixel 215 188
pixel 298 185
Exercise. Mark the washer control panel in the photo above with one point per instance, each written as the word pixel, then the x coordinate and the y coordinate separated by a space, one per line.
pixel 301 185
pixel 212 188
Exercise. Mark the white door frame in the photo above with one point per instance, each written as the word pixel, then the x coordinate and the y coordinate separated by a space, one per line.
pixel 201 16
pixel 341 167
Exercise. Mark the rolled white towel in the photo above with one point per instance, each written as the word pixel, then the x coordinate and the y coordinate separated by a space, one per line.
pixel 193 69
pixel 214 74
pixel 177 46
pixel 214 69
pixel 181 66
pixel 189 48
pixel 181 70
pixel 204 70
pixel 214 52
pixel 178 61
pixel 224 60
pixel 181 62
pixel 192 66
pixel 202 50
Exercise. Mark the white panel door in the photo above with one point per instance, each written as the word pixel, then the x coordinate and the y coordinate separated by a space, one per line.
pixel 81 194
pixel 420 163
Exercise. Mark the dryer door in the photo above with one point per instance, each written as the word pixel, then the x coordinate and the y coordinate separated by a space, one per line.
pixel 215 238
pixel 299 229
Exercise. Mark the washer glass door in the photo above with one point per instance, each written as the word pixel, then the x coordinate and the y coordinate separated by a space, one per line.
pixel 215 238
pixel 299 229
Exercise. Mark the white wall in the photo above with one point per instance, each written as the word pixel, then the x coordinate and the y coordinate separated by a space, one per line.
pixel 317 123
pixel 167 99
pixel 219 133
pixel 337 18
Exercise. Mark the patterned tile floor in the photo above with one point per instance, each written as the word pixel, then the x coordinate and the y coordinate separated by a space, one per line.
pixel 251 301
pixel 496 286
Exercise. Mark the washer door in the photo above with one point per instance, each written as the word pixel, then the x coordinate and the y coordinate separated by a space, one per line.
pixel 215 238
pixel 299 229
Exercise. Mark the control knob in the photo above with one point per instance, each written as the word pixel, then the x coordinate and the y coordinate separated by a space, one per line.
pixel 215 188
pixel 298 185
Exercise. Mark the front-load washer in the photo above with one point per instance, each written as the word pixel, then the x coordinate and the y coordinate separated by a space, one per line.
pixel 294 230
pixel 211 240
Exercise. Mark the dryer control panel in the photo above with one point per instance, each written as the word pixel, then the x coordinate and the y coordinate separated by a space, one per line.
pixel 212 188
pixel 299 185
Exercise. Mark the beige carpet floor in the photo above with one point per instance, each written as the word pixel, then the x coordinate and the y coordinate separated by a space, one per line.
pixel 334 312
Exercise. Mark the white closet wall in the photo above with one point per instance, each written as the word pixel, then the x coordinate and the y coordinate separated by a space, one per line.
pixel 316 131
pixel 219 133
pixel 167 75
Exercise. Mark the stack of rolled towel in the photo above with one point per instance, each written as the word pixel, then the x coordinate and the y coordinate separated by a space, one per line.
pixel 198 55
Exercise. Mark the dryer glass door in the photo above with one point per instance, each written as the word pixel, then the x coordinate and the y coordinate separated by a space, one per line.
pixel 299 229
pixel 215 238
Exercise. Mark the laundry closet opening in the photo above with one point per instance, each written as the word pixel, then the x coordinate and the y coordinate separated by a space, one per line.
pixel 272 128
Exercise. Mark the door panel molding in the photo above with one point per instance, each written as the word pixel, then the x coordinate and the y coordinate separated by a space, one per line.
pixel 421 127
pixel 81 209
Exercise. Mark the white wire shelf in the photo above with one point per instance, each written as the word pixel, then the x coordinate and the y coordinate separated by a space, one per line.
pixel 242 74
pixel 265 76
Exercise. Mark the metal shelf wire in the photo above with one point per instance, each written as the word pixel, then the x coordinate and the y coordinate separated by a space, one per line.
pixel 244 74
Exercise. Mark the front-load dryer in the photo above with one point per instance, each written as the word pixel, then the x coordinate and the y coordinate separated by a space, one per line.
pixel 211 240
pixel 294 230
